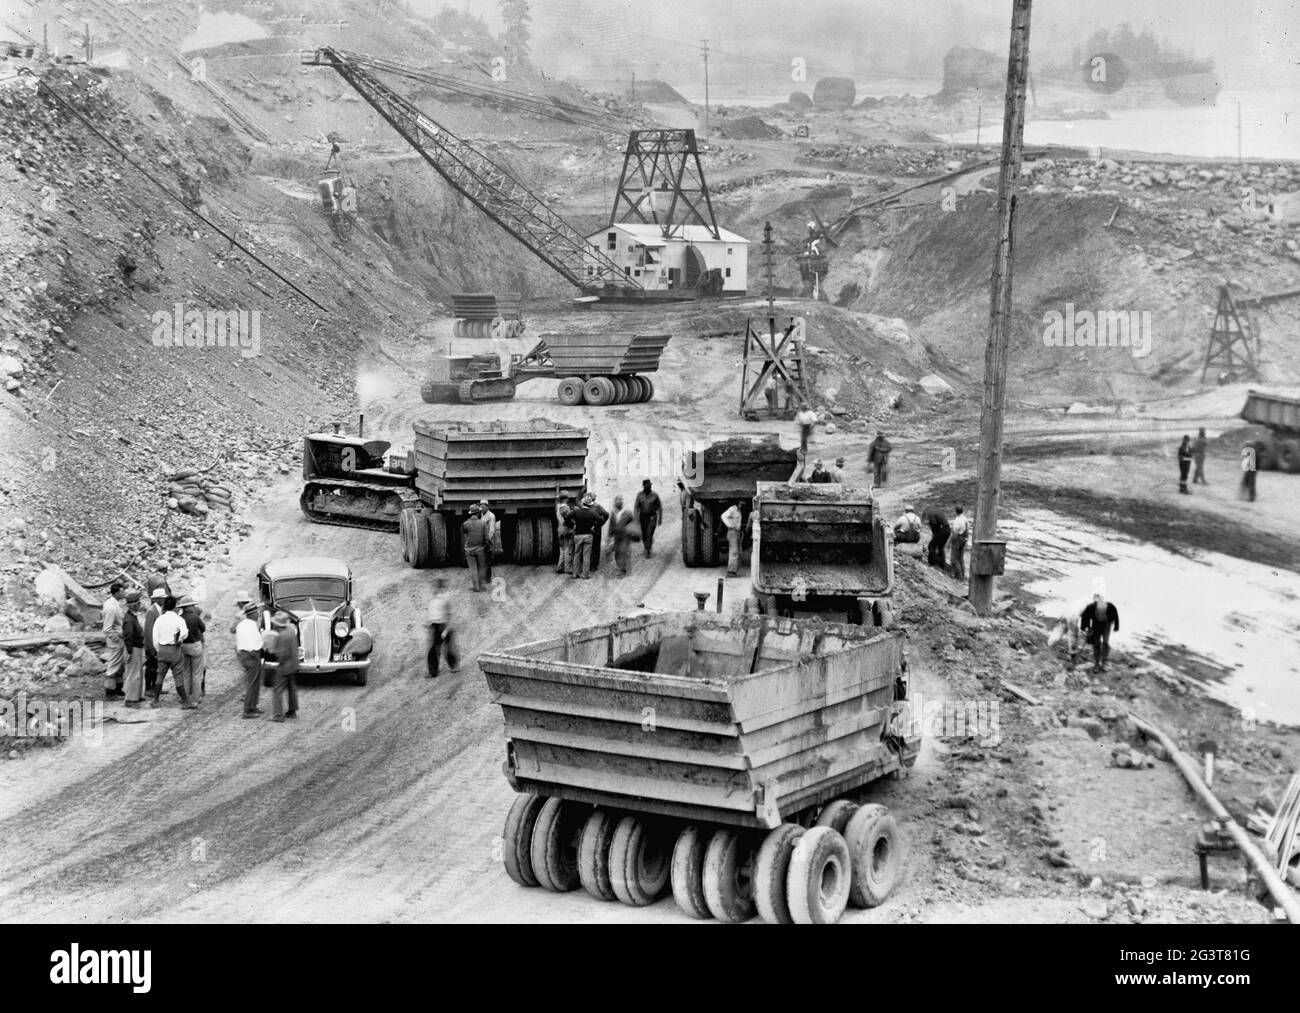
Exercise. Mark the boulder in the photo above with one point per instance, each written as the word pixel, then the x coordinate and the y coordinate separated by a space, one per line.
pixel 835 93
pixel 801 100
pixel 970 69
pixel 935 386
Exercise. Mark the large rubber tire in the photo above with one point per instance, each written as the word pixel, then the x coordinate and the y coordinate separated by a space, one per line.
pixel 554 850
pixel 593 854
pixel 641 388
pixel 690 540
pixel 770 869
pixel 523 554
pixel 421 552
pixel 404 533
pixel 544 540
pixel 688 871
pixel 458 328
pixel 611 391
pixel 1288 456
pixel 428 393
pixel 837 814
pixel 595 392
pixel 570 391
pixel 875 855
pixel 1265 455
pixel 729 875
pixel 817 882
pixel 708 542
pixel 517 838
pixel 620 390
pixel 649 388
pixel 639 861
pixel 437 525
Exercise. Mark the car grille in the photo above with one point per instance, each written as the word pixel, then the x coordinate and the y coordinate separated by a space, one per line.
pixel 314 636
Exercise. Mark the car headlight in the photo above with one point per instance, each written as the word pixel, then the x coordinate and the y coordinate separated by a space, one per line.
pixel 341 628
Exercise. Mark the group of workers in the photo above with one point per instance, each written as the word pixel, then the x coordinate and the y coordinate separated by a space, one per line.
pixel 1191 459
pixel 149 634
pixel 947 546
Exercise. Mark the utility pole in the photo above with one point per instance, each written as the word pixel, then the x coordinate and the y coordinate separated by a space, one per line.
pixel 1239 131
pixel 704 48
pixel 986 557
pixel 979 123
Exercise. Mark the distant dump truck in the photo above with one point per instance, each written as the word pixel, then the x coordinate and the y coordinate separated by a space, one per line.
pixel 727 472
pixel 1280 414
pixel 822 550
pixel 518 467
pixel 685 751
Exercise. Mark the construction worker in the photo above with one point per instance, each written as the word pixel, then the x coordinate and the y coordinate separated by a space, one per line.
pixel 878 459
pixel 957 552
pixel 732 519
pixel 115 667
pixel 1184 463
pixel 649 515
pixel 805 419
pixel 819 473
pixel 151 615
pixel 1096 622
pixel 475 539
pixel 621 533
pixel 564 506
pixel 493 536
pixel 837 472
pixel 133 641
pixel 1248 468
pixel 1067 629
pixel 286 671
pixel 440 634
pixel 168 634
pixel 770 392
pixel 907 529
pixel 192 650
pixel 1198 457
pixel 940 529
pixel 585 523
pixel 248 653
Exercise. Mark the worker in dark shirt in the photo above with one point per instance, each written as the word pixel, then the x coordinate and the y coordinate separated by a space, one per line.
pixel 474 536
pixel 586 521
pixel 1096 621
pixel 819 473
pixel 196 674
pixel 878 458
pixel 1184 463
pixel 649 514
pixel 286 670
pixel 939 532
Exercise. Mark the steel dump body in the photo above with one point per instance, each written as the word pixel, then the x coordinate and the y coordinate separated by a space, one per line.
pixel 1272 410
pixel 730 470
pixel 825 540
pixel 512 465
pixel 746 721
pixel 604 354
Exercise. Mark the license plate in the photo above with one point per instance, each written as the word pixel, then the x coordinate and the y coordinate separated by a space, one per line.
pixel 344 657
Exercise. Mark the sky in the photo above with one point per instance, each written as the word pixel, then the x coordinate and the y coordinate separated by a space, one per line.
pixel 754 41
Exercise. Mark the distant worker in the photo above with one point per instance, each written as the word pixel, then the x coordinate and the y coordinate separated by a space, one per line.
pixel 621 534
pixel 440 632
pixel 133 641
pixel 1184 463
pixel 1096 621
pixel 907 529
pixel 1248 468
pixel 732 519
pixel 475 539
pixel 1067 629
pixel 770 393
pixel 493 533
pixel 837 472
pixel 585 523
pixel 1198 458
pixel 819 473
pixel 248 653
pixel 805 418
pixel 286 670
pixel 940 529
pixel 156 580
pixel 564 506
pixel 649 513
pixel 878 459
pixel 115 667
pixel 957 550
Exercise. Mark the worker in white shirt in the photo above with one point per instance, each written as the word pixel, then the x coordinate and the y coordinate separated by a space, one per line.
pixel 169 632
pixel 248 652
pixel 115 667
pixel 957 543
pixel 440 634
pixel 732 520
pixel 806 419
pixel 907 529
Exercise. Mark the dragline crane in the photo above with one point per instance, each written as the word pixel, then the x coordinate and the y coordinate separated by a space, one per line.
pixel 487 185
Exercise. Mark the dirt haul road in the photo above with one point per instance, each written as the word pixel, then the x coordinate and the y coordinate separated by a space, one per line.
pixel 380 803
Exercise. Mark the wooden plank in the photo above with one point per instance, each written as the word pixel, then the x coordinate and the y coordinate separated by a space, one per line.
pixel 28 641
pixel 1024 695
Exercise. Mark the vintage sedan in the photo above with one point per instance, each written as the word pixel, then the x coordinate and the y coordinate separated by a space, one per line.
pixel 317 595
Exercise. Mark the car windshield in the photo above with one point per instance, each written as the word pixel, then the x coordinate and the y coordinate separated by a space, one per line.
pixel 295 592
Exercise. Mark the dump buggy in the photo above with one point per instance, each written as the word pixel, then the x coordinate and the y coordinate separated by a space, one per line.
pixel 707 755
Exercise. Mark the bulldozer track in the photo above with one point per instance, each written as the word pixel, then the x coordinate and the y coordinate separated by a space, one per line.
pixel 408 497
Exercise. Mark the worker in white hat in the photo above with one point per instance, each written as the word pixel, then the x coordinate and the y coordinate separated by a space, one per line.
pixel 248 652
pixel 192 650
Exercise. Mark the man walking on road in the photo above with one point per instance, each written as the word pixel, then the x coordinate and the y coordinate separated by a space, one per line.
pixel 248 653
pixel 960 532
pixel 115 667
pixel 1248 468
pixel 133 640
pixel 1184 463
pixel 440 635
pixel 806 418
pixel 1198 458
pixel 620 535
pixel 169 633
pixel 286 672
pixel 649 514
pixel 1096 622
pixel 474 538
pixel 732 520
pixel 585 523
pixel 878 458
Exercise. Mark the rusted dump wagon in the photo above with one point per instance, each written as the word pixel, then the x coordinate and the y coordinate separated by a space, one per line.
pixel 598 369
pixel 711 755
